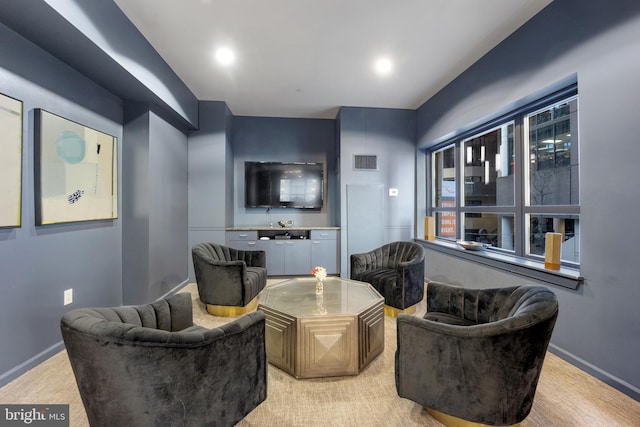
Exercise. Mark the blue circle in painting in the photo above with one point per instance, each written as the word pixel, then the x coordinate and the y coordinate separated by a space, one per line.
pixel 70 147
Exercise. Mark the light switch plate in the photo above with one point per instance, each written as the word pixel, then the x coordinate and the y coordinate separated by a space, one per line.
pixel 68 296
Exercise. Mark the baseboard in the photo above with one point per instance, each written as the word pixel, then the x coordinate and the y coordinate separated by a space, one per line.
pixel 615 382
pixel 29 364
pixel 175 289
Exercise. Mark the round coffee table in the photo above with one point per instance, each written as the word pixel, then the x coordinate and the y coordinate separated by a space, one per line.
pixel 338 332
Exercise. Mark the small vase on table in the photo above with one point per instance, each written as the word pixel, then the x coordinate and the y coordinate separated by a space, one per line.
pixel 321 274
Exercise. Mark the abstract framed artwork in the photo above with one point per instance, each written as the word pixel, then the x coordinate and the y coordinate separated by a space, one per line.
pixel 10 162
pixel 76 171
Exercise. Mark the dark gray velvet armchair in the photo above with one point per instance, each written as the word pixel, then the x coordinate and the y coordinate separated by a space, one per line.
pixel 396 270
pixel 149 365
pixel 477 353
pixel 229 280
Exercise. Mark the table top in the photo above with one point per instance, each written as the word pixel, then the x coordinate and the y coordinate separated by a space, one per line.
pixel 297 297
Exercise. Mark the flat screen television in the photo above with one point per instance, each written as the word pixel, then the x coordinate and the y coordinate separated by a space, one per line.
pixel 283 185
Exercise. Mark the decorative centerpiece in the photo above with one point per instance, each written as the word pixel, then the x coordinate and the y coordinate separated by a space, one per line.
pixel 321 274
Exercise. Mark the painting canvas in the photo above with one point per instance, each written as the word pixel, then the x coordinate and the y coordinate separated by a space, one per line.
pixel 10 161
pixel 75 171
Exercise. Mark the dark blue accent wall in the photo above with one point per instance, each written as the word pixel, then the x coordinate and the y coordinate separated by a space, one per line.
pixel 38 263
pixel 389 134
pixel 104 269
pixel 286 140
pixel 154 207
pixel 210 188
pixel 599 43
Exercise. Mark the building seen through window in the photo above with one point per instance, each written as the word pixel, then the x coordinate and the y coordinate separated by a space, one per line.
pixel 509 184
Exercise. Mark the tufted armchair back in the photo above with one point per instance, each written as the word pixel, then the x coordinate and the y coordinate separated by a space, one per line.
pixel 476 354
pixel 520 305
pixel 216 252
pixel 227 276
pixel 150 365
pixel 389 256
pixel 396 270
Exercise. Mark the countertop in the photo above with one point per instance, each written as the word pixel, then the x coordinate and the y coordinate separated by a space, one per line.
pixel 278 228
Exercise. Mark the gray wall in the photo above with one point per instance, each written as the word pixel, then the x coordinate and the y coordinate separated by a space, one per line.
pixel 598 324
pixel 154 206
pixel 286 140
pixel 210 177
pixel 168 201
pixel 38 263
pixel 390 135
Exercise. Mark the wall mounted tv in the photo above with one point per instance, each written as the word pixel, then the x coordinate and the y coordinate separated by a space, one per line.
pixel 283 185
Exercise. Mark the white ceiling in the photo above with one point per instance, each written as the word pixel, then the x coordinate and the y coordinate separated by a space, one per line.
pixel 306 58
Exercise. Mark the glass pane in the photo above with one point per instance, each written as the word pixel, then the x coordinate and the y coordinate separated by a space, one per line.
pixel 489 168
pixel 553 155
pixel 444 164
pixel 446 225
pixel 496 230
pixel 567 225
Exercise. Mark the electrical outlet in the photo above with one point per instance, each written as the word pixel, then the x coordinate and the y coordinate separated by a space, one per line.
pixel 68 296
pixel 393 192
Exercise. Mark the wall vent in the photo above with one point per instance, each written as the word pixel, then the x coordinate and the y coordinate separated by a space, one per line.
pixel 365 162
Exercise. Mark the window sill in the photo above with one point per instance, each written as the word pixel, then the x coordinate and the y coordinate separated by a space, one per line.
pixel 565 277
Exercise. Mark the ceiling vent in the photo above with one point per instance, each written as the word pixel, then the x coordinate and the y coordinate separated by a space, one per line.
pixel 365 162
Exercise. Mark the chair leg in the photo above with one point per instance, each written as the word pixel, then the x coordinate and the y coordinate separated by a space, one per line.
pixel 393 312
pixel 231 310
pixel 451 421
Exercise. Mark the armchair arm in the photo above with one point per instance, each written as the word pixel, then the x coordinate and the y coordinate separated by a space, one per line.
pixel 445 298
pixel 243 323
pixel 220 272
pixel 414 267
pixel 253 258
pixel 362 262
pixel 493 330
pixel 148 377
pixel 492 364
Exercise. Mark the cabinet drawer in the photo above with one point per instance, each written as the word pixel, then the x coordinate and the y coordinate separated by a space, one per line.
pixel 324 234
pixel 242 235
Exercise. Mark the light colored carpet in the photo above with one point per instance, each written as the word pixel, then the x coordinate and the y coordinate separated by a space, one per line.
pixel 566 396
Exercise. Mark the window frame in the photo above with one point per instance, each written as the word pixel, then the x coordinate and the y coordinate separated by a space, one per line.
pixel 522 209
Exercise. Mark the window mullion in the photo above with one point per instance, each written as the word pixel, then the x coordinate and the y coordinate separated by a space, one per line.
pixel 520 158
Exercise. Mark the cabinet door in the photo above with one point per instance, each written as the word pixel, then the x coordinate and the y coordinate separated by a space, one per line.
pixel 324 250
pixel 243 245
pixel 324 254
pixel 275 256
pixel 297 257
pixel 242 240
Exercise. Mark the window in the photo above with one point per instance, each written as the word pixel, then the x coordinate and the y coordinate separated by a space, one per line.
pixel 509 182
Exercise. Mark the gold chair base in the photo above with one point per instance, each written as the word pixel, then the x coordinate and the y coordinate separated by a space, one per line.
pixel 232 310
pixel 393 312
pixel 451 421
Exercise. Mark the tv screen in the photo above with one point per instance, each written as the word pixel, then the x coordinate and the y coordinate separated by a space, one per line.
pixel 283 185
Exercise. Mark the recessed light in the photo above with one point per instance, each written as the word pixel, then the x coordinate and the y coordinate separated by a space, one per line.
pixel 383 66
pixel 224 56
